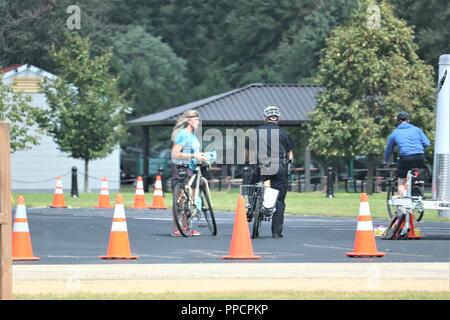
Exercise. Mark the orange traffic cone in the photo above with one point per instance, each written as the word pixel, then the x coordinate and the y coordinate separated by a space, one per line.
pixel 241 244
pixel 21 240
pixel 139 197
pixel 412 229
pixel 119 245
pixel 103 199
pixel 158 197
pixel 365 245
pixel 58 197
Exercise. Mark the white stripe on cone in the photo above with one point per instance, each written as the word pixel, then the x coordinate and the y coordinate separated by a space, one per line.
pixel 104 192
pixel 21 227
pixel 119 211
pixel 364 209
pixel 364 226
pixel 21 213
pixel 119 226
pixel 158 184
pixel 158 193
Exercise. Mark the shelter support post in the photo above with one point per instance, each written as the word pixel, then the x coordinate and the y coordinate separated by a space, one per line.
pixel 5 215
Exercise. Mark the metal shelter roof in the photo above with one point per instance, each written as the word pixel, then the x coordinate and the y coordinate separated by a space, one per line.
pixel 244 106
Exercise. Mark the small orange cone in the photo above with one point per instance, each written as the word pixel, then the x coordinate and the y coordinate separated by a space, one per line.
pixel 119 245
pixel 158 196
pixel 412 232
pixel 58 197
pixel 21 239
pixel 139 197
pixel 103 199
pixel 241 244
pixel 365 245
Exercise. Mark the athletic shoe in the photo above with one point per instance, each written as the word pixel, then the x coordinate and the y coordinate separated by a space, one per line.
pixel 177 233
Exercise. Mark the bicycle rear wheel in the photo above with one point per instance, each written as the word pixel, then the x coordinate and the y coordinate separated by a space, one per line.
pixel 181 210
pixel 207 209
pixel 418 213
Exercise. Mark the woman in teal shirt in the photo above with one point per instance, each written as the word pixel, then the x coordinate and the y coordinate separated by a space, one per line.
pixel 185 150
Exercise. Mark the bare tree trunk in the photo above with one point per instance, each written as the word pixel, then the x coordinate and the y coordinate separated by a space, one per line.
pixel 86 176
pixel 370 169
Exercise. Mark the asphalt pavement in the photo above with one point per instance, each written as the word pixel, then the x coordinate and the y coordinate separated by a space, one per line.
pixel 80 236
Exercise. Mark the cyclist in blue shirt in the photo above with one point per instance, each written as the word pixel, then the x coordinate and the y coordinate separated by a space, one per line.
pixel 185 150
pixel 412 143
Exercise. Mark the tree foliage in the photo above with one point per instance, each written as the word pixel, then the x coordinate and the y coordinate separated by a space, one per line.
pixel 369 75
pixel 86 112
pixel 16 109
pixel 148 68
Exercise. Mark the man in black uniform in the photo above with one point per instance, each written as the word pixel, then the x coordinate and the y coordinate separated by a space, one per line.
pixel 275 157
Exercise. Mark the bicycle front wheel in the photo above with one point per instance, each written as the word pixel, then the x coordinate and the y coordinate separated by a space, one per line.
pixel 207 209
pixel 257 217
pixel 181 210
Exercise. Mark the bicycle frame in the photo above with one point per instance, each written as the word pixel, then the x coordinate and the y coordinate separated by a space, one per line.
pixel 197 177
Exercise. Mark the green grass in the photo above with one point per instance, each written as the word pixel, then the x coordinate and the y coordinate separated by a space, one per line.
pixel 311 203
pixel 260 295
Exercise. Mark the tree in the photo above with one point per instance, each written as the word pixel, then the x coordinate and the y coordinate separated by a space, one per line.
pixel 16 109
pixel 149 70
pixel 86 111
pixel 369 75
pixel 28 28
pixel 297 57
pixel 430 21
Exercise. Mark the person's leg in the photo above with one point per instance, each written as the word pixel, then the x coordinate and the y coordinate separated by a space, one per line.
pixel 402 171
pixel 402 187
pixel 278 216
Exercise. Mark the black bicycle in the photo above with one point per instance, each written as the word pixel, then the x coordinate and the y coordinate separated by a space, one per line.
pixel 259 203
pixel 417 189
pixel 192 200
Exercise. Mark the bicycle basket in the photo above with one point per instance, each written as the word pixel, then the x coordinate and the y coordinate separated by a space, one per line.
pixel 249 192
pixel 270 198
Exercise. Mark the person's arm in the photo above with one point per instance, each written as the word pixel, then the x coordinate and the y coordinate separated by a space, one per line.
pixel 180 142
pixel 389 148
pixel 424 140
pixel 291 156
pixel 177 154
pixel 290 147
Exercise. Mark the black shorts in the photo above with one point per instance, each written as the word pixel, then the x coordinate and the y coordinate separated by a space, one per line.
pixel 182 173
pixel 406 163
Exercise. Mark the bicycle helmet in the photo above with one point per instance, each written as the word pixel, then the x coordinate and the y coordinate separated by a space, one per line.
pixel 403 116
pixel 271 111
pixel 211 156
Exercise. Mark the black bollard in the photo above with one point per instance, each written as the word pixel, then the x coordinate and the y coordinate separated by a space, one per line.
pixel 330 192
pixel 74 189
